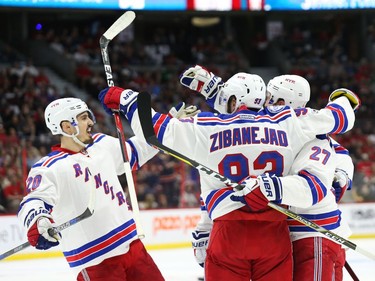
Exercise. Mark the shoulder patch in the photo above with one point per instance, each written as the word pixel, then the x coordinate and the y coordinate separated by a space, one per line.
pixel 276 108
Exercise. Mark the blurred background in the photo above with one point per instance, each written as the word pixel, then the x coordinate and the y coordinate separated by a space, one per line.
pixel 50 49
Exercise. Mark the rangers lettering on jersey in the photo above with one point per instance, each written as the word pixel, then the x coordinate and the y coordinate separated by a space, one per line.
pixel 248 135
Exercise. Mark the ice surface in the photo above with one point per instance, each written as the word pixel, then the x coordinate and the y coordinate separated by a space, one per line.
pixel 176 265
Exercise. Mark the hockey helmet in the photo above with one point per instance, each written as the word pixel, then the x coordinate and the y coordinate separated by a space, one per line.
pixel 249 90
pixel 293 89
pixel 65 109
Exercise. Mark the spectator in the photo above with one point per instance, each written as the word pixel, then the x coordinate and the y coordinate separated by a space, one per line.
pixel 13 191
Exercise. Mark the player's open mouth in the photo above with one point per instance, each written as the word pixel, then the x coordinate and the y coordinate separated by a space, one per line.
pixel 89 130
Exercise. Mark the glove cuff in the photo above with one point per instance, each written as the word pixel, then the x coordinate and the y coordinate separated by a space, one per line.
pixel 38 215
pixel 127 100
pixel 271 188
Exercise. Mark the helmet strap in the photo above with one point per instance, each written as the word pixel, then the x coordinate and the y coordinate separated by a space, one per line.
pixel 74 137
pixel 76 140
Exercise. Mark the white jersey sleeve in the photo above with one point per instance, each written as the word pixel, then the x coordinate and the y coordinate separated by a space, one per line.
pixel 205 223
pixel 311 175
pixel 336 118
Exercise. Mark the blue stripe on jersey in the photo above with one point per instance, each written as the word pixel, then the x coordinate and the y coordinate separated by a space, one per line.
pixel 241 117
pixel 55 160
pixel 134 163
pixel 44 159
pixel 339 149
pixel 318 189
pixel 97 138
pixel 341 120
pixel 99 247
pixel 215 197
pixel 329 221
pixel 160 123
pixel 129 110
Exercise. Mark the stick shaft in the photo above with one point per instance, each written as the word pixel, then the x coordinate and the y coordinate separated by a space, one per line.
pixel 351 272
pixel 120 24
pixel 52 231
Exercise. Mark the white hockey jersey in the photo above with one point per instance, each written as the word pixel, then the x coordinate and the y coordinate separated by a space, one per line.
pixel 60 185
pixel 248 143
pixel 317 158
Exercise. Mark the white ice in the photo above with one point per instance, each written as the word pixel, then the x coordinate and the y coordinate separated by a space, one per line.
pixel 176 265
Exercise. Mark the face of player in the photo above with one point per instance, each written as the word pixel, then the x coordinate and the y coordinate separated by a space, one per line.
pixel 85 124
pixel 231 104
pixel 278 102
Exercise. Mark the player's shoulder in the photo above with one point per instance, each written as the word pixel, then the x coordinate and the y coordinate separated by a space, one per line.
pixel 98 137
pixel 207 114
pixel 275 111
pixel 102 140
pixel 50 159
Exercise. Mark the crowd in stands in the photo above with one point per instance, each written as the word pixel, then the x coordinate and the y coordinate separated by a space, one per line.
pixel 328 59
pixel 154 65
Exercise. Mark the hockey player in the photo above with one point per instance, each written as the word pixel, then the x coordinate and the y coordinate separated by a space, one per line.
pixel 315 256
pixel 294 91
pixel 104 246
pixel 246 143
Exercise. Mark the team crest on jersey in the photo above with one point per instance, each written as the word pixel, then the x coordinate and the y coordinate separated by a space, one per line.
pixel 276 108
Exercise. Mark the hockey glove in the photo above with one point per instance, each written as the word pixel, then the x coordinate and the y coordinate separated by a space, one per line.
pixel 111 98
pixel 181 111
pixel 341 183
pixel 352 97
pixel 200 243
pixel 38 234
pixel 201 80
pixel 257 192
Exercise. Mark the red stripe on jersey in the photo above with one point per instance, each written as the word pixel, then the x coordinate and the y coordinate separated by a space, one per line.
pixel 341 118
pixel 53 158
pixel 215 197
pixel 101 245
pixel 210 119
pixel 159 123
pixel 318 188
pixel 275 117
pixel 96 136
pixel 320 222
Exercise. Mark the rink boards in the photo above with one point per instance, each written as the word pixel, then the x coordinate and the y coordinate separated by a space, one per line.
pixel 171 228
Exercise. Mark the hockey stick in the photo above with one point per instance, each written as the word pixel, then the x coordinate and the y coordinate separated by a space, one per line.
pixel 351 272
pixel 89 211
pixel 119 25
pixel 144 112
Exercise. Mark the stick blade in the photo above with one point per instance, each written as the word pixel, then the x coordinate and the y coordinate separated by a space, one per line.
pixel 119 25
pixel 144 113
